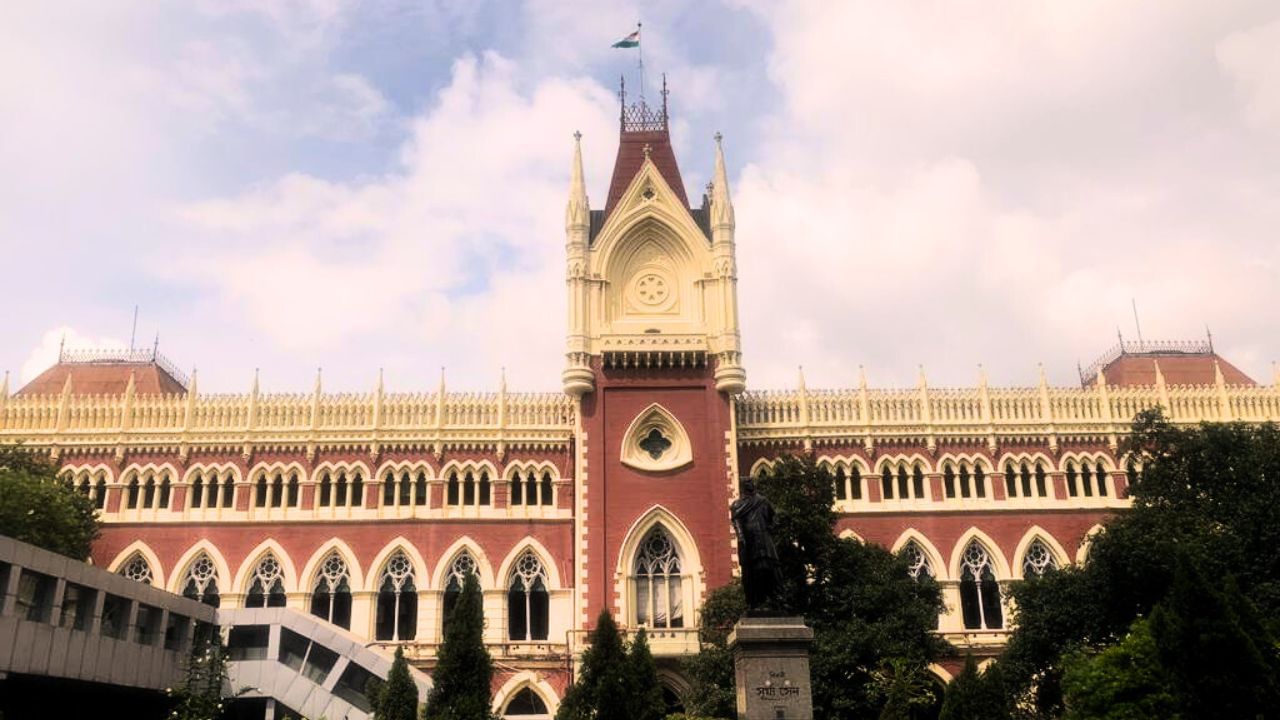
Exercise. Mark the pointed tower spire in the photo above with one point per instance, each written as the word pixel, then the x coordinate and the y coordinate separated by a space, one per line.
pixel 256 385
pixel 721 204
pixel 577 213
pixel 4 389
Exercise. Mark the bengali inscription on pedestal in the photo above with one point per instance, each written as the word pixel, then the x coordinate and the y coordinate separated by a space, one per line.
pixel 771 668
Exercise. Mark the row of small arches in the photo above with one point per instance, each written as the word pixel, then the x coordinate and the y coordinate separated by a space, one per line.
pixel 397 585
pixel 275 487
pixel 964 478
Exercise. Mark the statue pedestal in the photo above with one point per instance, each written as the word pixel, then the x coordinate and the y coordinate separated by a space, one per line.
pixel 771 668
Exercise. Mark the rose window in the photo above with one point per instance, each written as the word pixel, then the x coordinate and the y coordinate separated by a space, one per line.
pixel 652 289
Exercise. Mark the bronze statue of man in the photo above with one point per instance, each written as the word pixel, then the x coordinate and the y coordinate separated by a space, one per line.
pixel 752 516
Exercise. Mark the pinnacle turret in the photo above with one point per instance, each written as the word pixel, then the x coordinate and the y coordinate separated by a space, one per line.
pixel 721 204
pixel 578 211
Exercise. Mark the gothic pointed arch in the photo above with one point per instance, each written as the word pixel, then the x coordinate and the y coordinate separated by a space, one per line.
pixel 315 562
pixel 656 441
pixel 1000 563
pixel 248 568
pixel 218 565
pixel 931 557
pixel 139 549
pixel 530 544
pixel 397 544
pixel 658 549
pixel 1086 543
pixel 519 683
pixel 484 569
pixel 1037 551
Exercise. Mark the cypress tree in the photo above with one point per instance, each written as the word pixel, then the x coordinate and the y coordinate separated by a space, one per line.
pixel 647 702
pixel 464 674
pixel 603 688
pixel 974 696
pixel 398 696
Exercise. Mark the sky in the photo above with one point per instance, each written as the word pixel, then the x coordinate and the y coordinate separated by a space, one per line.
pixel 287 185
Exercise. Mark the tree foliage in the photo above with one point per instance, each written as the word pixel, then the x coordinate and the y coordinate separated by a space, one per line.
pixel 463 676
pixel 199 697
pixel 1205 505
pixel 975 695
pixel 39 508
pixel 614 684
pixel 866 611
pixel 397 698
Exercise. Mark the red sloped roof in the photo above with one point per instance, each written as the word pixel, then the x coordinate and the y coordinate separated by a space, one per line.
pixel 1177 368
pixel 631 147
pixel 104 378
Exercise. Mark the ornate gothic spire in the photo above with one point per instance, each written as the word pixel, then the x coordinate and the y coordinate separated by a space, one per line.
pixel 577 213
pixel 721 204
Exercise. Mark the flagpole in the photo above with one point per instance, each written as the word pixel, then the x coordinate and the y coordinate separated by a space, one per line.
pixel 640 53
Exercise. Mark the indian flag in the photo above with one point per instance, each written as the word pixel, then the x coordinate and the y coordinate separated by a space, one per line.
pixel 630 41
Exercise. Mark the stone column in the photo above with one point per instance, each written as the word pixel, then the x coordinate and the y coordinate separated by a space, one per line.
pixel 771 668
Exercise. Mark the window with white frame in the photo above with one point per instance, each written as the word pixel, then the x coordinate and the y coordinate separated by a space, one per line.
pixel 657 584
pixel 964 480
pixel 1025 479
pixel 468 489
pixel 902 481
pixel 341 488
pixel 404 488
pixel 1087 479
pixel 397 611
pixel 848 481
pixel 528 488
pixel 918 565
pixel 266 587
pixel 455 578
pixel 211 489
pixel 136 568
pixel 1038 560
pixel 526 704
pixel 331 596
pixel 528 602
pixel 201 581
pixel 149 491
pixel 276 488
pixel 979 590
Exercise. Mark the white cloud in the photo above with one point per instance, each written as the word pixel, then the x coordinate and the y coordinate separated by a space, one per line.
pixel 1251 60
pixel 457 253
pixel 45 354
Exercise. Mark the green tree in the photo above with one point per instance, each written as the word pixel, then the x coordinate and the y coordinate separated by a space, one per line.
pixel 974 695
pixel 39 508
pixel 863 605
pixel 710 672
pixel 1124 682
pixel 1219 668
pixel 906 688
pixel 199 697
pixel 1207 494
pixel 603 690
pixel 645 689
pixel 463 676
pixel 397 698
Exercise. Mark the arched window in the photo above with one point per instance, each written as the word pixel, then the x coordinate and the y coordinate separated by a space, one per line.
pixel 658 587
pixel 517 489
pixel 228 493
pixel 202 581
pixel 163 502
pixel 267 587
pixel 132 494
pixel 293 490
pixel 100 494
pixel 545 489
pixel 525 703
pixel 277 490
pixel 397 617
pixel 149 493
pixel 462 566
pixel 451 496
pixel 326 490
pixel 340 490
pixel 260 492
pixel 1100 476
pixel 917 561
pixel 528 604
pixel 1073 479
pixel 331 598
pixel 1037 560
pixel 965 480
pixel 197 491
pixel 469 490
pixel 841 488
pixel 949 482
pixel 886 484
pixel 420 490
pixel 137 568
pixel 979 591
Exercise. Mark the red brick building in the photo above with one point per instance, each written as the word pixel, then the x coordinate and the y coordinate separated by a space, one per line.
pixel 367 510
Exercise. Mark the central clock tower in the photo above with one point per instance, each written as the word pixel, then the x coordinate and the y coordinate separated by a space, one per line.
pixel 654 358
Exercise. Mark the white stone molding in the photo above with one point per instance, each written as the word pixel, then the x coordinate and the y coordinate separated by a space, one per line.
pixel 671 448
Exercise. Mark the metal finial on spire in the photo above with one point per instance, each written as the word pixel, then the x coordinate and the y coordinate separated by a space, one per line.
pixel 62 346
pixel 718 137
pixel 577 135
pixel 1209 334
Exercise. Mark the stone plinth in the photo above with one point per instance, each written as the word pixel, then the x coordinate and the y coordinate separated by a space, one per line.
pixel 771 668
